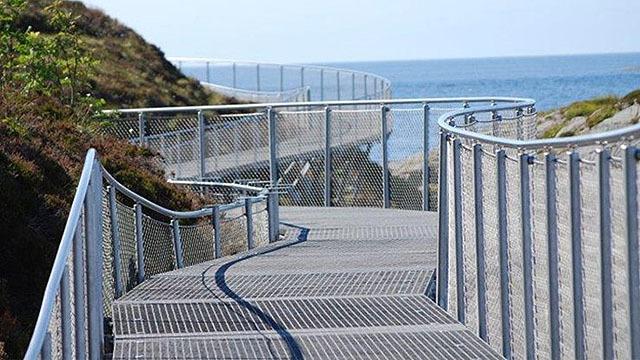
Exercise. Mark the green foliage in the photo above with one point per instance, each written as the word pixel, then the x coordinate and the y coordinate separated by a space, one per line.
pixel 588 107
pixel 632 97
pixel 601 114
pixel 553 131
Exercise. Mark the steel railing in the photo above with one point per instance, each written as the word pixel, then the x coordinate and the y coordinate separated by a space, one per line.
pixel 538 239
pixel 114 239
pixel 272 82
pixel 313 147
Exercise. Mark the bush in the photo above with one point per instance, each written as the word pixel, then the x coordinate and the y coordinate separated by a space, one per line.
pixel 588 107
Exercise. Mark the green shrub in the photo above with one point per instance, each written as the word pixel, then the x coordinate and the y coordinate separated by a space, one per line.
pixel 553 131
pixel 601 114
pixel 588 107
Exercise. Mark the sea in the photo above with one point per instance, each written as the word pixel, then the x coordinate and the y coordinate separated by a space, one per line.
pixel 553 81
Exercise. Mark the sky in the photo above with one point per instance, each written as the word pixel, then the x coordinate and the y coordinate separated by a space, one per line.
pixel 324 31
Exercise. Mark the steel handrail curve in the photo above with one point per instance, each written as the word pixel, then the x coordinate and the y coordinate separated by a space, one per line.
pixel 64 250
pixel 180 59
pixel 320 104
pixel 57 270
pixel 445 123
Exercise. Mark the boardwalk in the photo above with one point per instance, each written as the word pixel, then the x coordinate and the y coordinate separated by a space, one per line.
pixel 346 283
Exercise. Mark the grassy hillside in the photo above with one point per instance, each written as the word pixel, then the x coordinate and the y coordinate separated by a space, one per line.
pixel 60 63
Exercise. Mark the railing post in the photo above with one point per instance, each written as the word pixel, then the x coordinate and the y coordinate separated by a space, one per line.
pixel 576 254
pixel 442 277
pixel 281 78
pixel 273 146
pixel 79 292
pixel 631 213
pixel 141 128
pixel 425 158
pixel 327 156
pixel 45 352
pixel 338 84
pixel 258 77
pixel 93 206
pixel 248 211
pixel 552 244
pixel 386 189
pixel 217 230
pixel 606 259
pixel 274 218
pixel 366 90
pixel 459 246
pixel 234 74
pixel 115 236
pixel 526 160
pixel 177 243
pixel 65 312
pixel 208 75
pixel 137 208
pixel 201 145
pixel 478 200
pixel 353 86
pixel 503 240
pixel 375 87
pixel 321 84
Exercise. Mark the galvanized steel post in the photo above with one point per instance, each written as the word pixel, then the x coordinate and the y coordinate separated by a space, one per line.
pixel 137 208
pixel 177 243
pixel 93 206
pixel 633 251
pixel 386 186
pixel 274 219
pixel 552 255
pixel 527 254
pixel 273 146
pixel 478 200
pixel 353 86
pixel 258 77
pixel 281 78
pixel 338 84
pixel 442 277
pixel 503 240
pixel 115 237
pixel 248 212
pixel 425 157
pixel 327 156
pixel 201 145
pixel 366 90
pixel 576 254
pixel 321 84
pixel 459 246
pixel 65 314
pixel 606 259
pixel 208 76
pixel 217 231
pixel 234 74
pixel 141 128
pixel 45 353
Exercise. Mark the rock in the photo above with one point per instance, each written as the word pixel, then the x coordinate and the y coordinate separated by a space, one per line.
pixel 548 122
pixel 622 118
pixel 573 127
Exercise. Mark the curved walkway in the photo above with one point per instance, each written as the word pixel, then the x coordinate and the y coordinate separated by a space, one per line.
pixel 346 283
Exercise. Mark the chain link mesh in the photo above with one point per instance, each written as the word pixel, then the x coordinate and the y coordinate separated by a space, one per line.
pixel 197 243
pixel 233 228
pixel 157 240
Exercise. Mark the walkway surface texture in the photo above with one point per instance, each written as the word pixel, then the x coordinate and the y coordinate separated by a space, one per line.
pixel 347 283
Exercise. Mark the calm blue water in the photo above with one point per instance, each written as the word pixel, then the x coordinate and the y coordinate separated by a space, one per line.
pixel 553 81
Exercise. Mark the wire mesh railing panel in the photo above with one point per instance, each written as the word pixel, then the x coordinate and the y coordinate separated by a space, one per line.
pixel 301 158
pixel 468 239
pixel 237 146
pixel 176 139
pixel 516 266
pixel 356 178
pixel 406 157
pixel 124 126
pixel 492 249
pixel 539 243
pixel 260 224
pixel 591 264
pixel 108 279
pixel 197 243
pixel 128 246
pixel 620 264
pixel 159 252
pixel 565 270
pixel 233 232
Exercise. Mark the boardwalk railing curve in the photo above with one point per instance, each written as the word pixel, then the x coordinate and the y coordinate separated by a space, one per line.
pixel 114 239
pixel 538 240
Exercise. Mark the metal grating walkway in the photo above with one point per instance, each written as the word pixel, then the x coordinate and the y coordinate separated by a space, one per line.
pixel 351 285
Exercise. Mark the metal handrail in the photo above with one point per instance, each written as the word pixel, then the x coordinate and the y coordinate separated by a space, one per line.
pixel 380 102
pixel 87 202
pixel 445 123
pixel 46 309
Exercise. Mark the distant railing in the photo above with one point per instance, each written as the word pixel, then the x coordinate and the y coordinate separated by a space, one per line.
pixel 538 241
pixel 271 82
pixel 380 153
pixel 114 239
